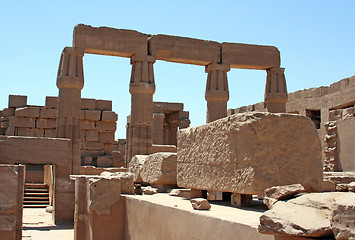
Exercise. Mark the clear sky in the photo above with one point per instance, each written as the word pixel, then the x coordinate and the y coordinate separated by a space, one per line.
pixel 315 38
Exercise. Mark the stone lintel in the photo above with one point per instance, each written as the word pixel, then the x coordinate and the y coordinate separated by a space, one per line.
pixel 247 56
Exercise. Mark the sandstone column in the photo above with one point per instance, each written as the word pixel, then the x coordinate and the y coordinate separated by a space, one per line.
pixel 217 94
pixel 70 81
pixel 142 88
pixel 275 91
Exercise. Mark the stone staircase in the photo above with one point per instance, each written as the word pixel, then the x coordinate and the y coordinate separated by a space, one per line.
pixel 36 195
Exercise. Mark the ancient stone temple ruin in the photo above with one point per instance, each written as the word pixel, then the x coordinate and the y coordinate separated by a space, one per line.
pixel 292 153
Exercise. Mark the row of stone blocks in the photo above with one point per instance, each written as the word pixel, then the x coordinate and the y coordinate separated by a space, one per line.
pixel 336 87
pixel 98 126
pixel 126 43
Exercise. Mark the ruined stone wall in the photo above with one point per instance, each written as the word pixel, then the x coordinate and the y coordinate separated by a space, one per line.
pixel 339 140
pixel 168 118
pixel 98 126
pixel 11 201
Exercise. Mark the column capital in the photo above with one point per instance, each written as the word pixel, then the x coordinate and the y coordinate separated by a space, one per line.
pixel 70 82
pixel 142 88
pixel 142 58
pixel 217 67
pixel 74 51
pixel 217 95
pixel 275 97
pixel 70 71
pixel 274 70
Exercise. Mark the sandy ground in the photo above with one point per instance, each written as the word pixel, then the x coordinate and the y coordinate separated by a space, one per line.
pixel 38 225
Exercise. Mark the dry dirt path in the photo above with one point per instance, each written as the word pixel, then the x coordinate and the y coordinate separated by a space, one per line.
pixel 38 225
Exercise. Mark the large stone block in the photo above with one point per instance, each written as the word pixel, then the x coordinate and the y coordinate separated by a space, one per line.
pixel 110 41
pixel 51 102
pixel 17 101
pixel 160 168
pixel 109 116
pixel 22 122
pixel 248 56
pixel 104 105
pixel 250 152
pixel 184 50
pixel 46 123
pixel 92 115
pixel 106 137
pixel 48 113
pixel 106 126
pixel 88 104
pixel 27 112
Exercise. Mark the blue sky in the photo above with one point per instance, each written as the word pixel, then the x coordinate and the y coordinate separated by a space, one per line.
pixel 315 38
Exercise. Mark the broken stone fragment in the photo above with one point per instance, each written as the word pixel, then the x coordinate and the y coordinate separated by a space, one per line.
pixel 200 204
pixel 273 194
pixel 311 215
pixel 160 169
pixel 185 193
pixel 149 190
pixel 103 193
pixel 287 218
pixel 351 186
pixel 343 217
pixel 126 180
pixel 135 166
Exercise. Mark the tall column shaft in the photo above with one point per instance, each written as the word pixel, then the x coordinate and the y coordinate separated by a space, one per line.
pixel 217 93
pixel 142 88
pixel 70 81
pixel 275 90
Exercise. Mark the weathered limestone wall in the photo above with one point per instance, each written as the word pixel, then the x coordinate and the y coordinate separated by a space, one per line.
pixel 97 122
pixel 247 153
pixel 11 201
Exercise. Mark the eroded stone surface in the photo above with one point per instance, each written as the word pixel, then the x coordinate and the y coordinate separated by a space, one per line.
pixel 160 168
pixel 343 217
pixel 104 192
pixel 135 166
pixel 273 194
pixel 125 178
pixel 225 155
pixel 297 220
pixel 311 215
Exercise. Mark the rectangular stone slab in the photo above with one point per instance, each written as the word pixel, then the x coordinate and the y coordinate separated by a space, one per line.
pixel 249 152
pixel 110 41
pixel 247 56
pixel 184 50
